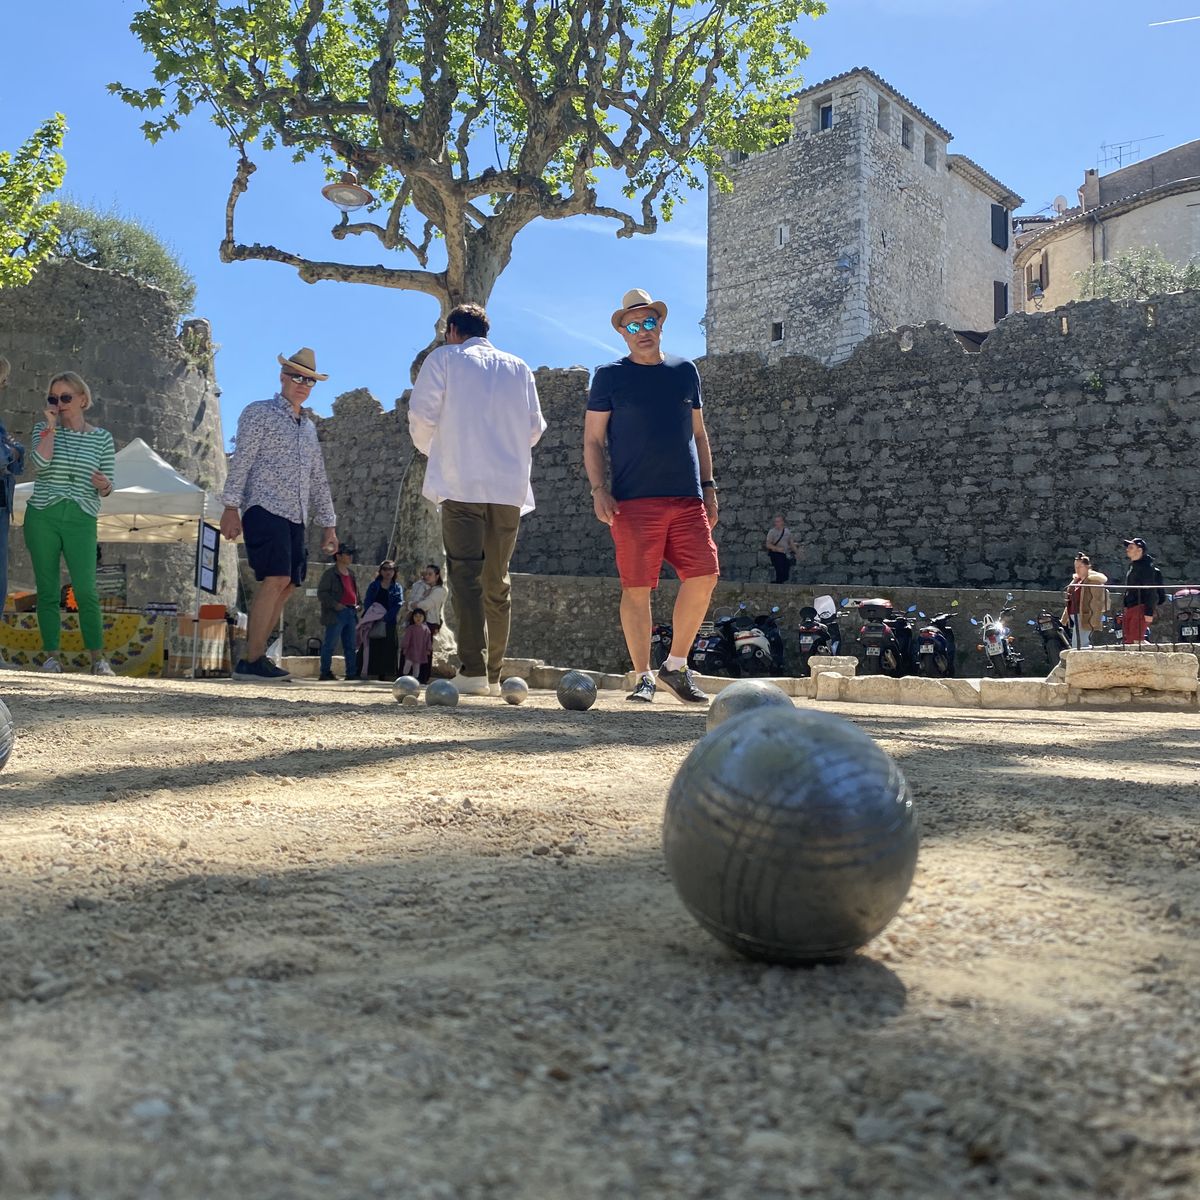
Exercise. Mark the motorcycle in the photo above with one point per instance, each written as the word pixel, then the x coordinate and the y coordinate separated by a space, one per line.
pixel 999 647
pixel 1053 633
pixel 660 645
pixel 711 650
pixel 757 643
pixel 886 639
pixel 935 647
pixel 819 631
pixel 1187 615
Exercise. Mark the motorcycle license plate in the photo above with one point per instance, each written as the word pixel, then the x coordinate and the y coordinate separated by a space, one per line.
pixel 1045 625
pixel 927 649
pixel 1188 631
pixel 807 641
pixel 994 648
pixel 873 650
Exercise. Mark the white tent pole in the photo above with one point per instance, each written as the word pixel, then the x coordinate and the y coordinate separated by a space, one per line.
pixel 196 606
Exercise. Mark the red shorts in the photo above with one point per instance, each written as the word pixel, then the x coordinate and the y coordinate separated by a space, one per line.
pixel 657 529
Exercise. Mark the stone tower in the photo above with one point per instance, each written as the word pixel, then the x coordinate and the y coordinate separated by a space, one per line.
pixel 859 222
pixel 147 381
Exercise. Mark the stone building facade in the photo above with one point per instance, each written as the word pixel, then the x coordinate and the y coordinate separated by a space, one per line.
pixel 1155 202
pixel 148 380
pixel 860 222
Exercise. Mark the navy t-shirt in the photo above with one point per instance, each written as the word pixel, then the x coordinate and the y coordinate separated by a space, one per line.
pixel 650 440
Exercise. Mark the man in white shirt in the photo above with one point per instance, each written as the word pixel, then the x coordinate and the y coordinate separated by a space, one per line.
pixel 474 411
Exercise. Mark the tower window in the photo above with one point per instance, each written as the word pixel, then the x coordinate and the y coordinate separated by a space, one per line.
pixel 776 331
pixel 782 234
pixel 906 132
pixel 884 116
pixel 930 151
pixel 822 114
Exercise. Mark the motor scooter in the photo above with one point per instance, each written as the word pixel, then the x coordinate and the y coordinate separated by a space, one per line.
pixel 1001 656
pixel 934 651
pixel 886 638
pixel 1187 615
pixel 757 643
pixel 1054 635
pixel 819 632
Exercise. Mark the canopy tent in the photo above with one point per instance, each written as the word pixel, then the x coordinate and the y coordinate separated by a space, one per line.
pixel 151 501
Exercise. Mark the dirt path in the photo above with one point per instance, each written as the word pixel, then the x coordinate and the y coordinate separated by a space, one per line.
pixel 267 944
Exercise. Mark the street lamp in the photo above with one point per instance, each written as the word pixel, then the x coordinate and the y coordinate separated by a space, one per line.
pixel 347 193
pixel 1038 296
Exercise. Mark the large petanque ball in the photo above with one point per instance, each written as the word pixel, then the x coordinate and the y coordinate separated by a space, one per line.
pixel 576 691
pixel 790 836
pixel 406 685
pixel 514 690
pixel 441 691
pixel 741 697
pixel 7 735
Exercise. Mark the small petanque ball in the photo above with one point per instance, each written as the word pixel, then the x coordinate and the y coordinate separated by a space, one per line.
pixel 790 836
pixel 406 685
pixel 410 700
pixel 576 691
pixel 741 697
pixel 441 691
pixel 7 735
pixel 515 690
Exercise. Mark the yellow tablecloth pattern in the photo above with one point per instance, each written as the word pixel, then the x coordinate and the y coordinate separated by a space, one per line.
pixel 133 643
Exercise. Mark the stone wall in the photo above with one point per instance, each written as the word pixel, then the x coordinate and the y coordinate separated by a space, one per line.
pixel 931 466
pixel 147 381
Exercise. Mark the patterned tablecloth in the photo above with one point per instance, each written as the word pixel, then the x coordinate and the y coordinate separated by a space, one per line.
pixel 133 643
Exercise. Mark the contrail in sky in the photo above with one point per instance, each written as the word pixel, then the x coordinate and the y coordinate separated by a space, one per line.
pixel 1177 21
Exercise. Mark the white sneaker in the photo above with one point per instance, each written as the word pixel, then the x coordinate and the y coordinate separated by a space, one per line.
pixel 53 666
pixel 472 685
pixel 494 689
pixel 102 667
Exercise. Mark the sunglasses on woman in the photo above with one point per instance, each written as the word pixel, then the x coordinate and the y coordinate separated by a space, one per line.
pixel 65 398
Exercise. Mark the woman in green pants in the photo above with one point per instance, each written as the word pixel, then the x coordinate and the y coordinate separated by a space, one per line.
pixel 75 463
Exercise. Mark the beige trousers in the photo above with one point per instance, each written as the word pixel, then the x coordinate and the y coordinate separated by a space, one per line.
pixel 479 541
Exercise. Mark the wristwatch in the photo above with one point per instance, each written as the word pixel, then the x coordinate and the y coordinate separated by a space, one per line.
pixel 708 483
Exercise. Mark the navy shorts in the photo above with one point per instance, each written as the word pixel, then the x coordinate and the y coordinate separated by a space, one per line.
pixel 274 545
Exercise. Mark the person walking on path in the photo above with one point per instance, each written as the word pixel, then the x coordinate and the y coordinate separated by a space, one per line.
pixel 75 462
pixel 645 410
pixel 474 411
pixel 781 548
pixel 276 474
pixel 1083 614
pixel 338 596
pixel 1143 591
pixel 12 464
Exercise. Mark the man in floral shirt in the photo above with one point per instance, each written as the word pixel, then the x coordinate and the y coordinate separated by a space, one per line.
pixel 275 473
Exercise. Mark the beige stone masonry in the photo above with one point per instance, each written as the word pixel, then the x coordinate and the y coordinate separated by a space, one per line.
pixel 871 689
pixel 844 664
pixel 938 693
pixel 1021 693
pixel 1096 670
pixel 828 686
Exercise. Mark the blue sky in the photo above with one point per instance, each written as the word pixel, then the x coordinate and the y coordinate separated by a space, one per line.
pixel 1029 91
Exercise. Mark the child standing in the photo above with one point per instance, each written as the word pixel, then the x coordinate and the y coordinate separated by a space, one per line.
pixel 416 648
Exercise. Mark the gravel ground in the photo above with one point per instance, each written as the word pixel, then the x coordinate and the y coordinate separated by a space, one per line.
pixel 305 942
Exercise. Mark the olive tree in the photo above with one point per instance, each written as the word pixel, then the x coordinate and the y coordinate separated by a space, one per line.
pixel 27 177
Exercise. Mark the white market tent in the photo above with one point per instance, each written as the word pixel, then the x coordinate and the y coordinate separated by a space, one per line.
pixel 151 501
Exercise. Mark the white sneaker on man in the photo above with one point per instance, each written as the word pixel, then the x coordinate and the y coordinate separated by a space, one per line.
pixel 494 689
pixel 472 685
pixel 52 665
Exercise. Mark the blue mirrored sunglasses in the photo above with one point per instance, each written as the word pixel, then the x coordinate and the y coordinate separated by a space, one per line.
pixel 648 324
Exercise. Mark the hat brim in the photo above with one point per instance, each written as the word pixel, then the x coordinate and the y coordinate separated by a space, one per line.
pixel 655 305
pixel 300 368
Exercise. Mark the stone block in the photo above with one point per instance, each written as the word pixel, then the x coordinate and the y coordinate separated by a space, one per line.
pixel 1103 670
pixel 1019 693
pixel 871 689
pixel 805 689
pixel 1100 697
pixel 936 693
pixel 965 691
pixel 303 666
pixel 828 686
pixel 542 676
pixel 845 665
pixel 519 666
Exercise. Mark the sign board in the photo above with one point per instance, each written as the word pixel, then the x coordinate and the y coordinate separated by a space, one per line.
pixel 208 558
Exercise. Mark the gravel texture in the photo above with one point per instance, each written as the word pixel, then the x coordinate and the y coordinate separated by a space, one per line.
pixel 303 942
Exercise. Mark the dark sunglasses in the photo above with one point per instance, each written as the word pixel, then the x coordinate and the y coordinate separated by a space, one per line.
pixel 65 398
pixel 649 324
pixel 302 380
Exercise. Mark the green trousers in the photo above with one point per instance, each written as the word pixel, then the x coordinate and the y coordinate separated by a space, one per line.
pixel 479 541
pixel 64 530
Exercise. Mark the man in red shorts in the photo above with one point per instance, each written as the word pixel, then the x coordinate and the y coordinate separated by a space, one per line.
pixel 662 502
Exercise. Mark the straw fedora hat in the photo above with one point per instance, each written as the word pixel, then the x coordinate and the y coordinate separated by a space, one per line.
pixel 637 298
pixel 303 362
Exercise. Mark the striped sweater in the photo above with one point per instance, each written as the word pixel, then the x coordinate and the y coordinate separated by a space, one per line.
pixel 67 474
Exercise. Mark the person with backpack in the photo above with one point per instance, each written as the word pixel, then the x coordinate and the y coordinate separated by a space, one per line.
pixel 1143 592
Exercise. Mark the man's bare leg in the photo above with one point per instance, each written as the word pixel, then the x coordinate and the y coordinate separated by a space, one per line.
pixel 265 611
pixel 691 604
pixel 635 621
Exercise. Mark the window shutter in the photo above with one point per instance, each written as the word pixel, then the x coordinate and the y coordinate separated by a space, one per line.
pixel 1000 226
pixel 999 300
pixel 1044 272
